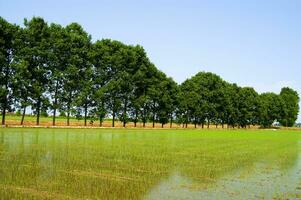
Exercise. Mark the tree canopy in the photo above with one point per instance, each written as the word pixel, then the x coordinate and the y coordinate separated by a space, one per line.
pixel 54 69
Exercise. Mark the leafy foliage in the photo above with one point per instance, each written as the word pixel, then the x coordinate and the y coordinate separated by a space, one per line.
pixel 53 69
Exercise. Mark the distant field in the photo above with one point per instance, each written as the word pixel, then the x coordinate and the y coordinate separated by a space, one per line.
pixel 37 163
pixel 62 121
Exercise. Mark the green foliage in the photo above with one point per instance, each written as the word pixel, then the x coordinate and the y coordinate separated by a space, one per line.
pixel 62 114
pixel 50 67
pixel 269 109
pixel 8 33
pixel 290 107
pixel 18 113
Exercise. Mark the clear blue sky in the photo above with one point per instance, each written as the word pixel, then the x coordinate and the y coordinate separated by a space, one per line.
pixel 252 42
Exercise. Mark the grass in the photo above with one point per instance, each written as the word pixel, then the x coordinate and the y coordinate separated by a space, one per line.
pixel 133 163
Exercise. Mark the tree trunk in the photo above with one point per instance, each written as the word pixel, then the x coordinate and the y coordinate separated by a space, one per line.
pixel 4 107
pixel 101 116
pixel 53 118
pixel 222 125
pixel 113 121
pixel 202 125
pixel 86 111
pixel 55 103
pixel 194 124
pixel 6 90
pixel 208 124
pixel 124 123
pixel 38 111
pixel 136 118
pixel 23 115
pixel 153 120
pixel 68 108
pixel 162 125
pixel 144 117
pixel 124 112
pixel 68 117
pixel 186 120
pixel 100 121
pixel 4 111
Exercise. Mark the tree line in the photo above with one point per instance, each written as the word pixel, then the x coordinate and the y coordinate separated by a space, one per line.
pixel 59 71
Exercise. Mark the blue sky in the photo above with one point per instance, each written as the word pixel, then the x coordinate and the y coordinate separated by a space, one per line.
pixel 252 42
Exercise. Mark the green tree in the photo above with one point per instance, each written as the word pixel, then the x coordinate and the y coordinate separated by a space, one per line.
pixel 142 80
pixel 269 109
pixel 167 102
pixel 247 106
pixel 100 58
pixel 77 71
pixel 36 56
pixel 202 98
pixel 126 73
pixel 290 106
pixel 59 56
pixel 7 71
pixel 113 62
pixel 22 90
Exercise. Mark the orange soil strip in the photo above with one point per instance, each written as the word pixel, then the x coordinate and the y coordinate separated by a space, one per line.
pixel 106 124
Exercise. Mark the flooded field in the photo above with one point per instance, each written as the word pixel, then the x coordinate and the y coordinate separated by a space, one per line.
pixel 149 164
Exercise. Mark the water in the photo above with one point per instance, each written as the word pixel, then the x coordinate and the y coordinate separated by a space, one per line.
pixel 149 164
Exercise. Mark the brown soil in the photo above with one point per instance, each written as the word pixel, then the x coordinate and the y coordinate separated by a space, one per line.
pixel 105 124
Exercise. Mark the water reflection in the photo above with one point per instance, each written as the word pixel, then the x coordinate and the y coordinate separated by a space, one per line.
pixel 262 182
pixel 111 164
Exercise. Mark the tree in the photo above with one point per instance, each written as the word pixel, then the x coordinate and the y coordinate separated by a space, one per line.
pixel 202 94
pixel 21 87
pixel 269 109
pixel 36 56
pixel 60 68
pixel 100 60
pixel 77 71
pixel 112 64
pixel 171 99
pixel 85 94
pixel 59 56
pixel 7 71
pixel 126 72
pixel 166 91
pixel 290 107
pixel 142 80
pixel 189 100
pixel 247 106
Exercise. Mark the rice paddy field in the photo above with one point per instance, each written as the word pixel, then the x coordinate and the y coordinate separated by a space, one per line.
pixel 53 163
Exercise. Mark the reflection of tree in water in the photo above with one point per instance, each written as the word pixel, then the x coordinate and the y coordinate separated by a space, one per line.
pixel 112 165
pixel 207 168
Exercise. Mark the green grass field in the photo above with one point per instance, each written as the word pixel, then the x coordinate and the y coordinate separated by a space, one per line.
pixel 37 163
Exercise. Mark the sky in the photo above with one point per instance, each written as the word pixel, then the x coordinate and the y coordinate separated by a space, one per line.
pixel 252 42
